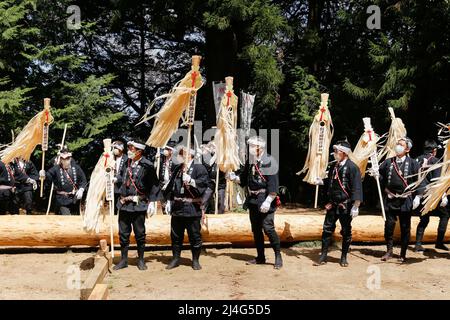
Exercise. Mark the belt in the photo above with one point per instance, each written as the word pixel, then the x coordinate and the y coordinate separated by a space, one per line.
pixel 257 192
pixel 188 200
pixel 391 195
pixel 135 199
pixel 64 193
pixel 6 187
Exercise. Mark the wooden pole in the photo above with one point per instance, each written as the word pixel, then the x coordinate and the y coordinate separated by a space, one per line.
pixel 158 167
pixel 216 210
pixel 53 185
pixel 303 225
pixel 316 198
pixel 44 142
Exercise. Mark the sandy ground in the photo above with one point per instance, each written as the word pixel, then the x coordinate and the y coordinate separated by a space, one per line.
pixel 225 276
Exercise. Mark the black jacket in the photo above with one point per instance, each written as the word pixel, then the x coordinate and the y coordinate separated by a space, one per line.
pixel 140 181
pixel 68 181
pixel 261 176
pixel 9 177
pixel 348 188
pixel 392 182
pixel 123 164
pixel 29 170
pixel 176 189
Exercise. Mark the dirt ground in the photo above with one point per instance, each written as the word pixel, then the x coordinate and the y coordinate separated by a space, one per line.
pixel 225 276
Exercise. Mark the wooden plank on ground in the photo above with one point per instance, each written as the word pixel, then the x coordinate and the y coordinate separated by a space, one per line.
pixel 95 277
pixel 100 292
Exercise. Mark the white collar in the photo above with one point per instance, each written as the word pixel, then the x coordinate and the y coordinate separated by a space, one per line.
pixel 190 163
pixel 402 159
pixel 343 162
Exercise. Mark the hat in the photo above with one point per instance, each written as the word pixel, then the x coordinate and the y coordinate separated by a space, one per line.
pixel 408 141
pixel 170 145
pixel 343 146
pixel 257 141
pixel 430 145
pixel 64 153
pixel 118 145
pixel 137 144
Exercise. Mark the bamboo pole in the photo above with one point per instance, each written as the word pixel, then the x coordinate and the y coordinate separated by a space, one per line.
pixel 44 142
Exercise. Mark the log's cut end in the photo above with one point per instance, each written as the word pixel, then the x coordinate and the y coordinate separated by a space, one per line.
pixel 66 231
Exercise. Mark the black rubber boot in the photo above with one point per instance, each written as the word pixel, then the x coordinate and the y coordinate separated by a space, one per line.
pixel 440 240
pixel 278 260
pixel 402 257
pixel 345 249
pixel 419 237
pixel 260 258
pixel 176 252
pixel 141 261
pixel 195 257
pixel 324 254
pixel 124 259
pixel 389 253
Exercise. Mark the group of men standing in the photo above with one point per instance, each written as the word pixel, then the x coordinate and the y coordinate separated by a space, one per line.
pixel 183 185
pixel 345 194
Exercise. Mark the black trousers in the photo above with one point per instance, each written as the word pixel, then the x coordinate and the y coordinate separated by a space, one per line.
pixel 329 226
pixel 7 202
pixel 405 228
pixel 443 215
pixel 129 221
pixel 25 200
pixel 192 225
pixel 263 222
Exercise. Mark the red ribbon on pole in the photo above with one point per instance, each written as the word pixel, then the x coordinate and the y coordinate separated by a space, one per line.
pixel 370 135
pixel 106 155
pixel 46 116
pixel 322 112
pixel 229 95
pixel 194 78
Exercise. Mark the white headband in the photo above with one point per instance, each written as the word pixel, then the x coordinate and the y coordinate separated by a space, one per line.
pixel 137 145
pixel 118 146
pixel 257 141
pixel 343 149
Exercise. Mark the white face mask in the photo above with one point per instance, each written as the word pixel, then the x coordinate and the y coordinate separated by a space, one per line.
pixel 116 152
pixel 131 155
pixel 166 153
pixel 399 149
pixel 253 151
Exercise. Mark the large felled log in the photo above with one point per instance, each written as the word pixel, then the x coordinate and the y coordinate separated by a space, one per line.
pixel 63 231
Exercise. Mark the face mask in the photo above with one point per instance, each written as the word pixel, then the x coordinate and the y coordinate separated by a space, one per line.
pixel 166 153
pixel 131 155
pixel 253 151
pixel 116 152
pixel 399 149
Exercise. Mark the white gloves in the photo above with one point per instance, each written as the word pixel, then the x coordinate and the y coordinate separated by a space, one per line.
pixel 114 180
pixel 33 182
pixel 374 173
pixel 416 202
pixel 79 194
pixel 355 209
pixel 188 179
pixel 265 207
pixel 42 174
pixel 168 208
pixel 232 177
pixel 444 201
pixel 354 212
pixel 151 209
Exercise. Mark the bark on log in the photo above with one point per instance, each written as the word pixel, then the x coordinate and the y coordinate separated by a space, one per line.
pixel 65 231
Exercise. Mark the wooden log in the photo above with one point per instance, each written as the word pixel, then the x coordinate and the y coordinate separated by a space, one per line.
pixel 100 292
pixel 94 278
pixel 66 231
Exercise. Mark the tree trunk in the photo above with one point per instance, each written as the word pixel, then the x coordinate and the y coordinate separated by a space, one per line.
pixel 65 231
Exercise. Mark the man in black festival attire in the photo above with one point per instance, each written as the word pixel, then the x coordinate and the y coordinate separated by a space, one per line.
pixel 344 198
pixel 426 160
pixel 139 189
pixel 260 176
